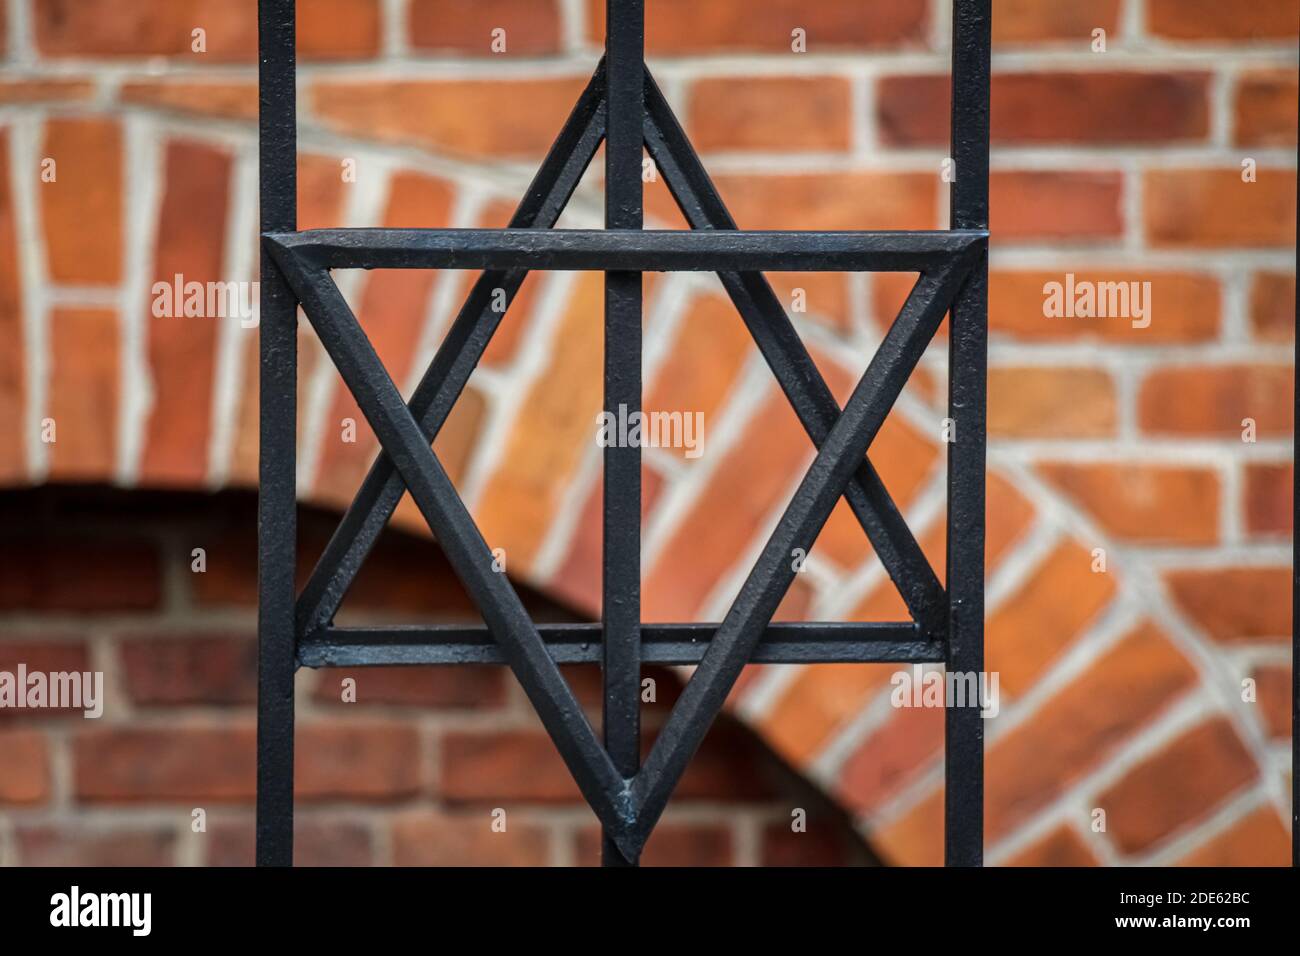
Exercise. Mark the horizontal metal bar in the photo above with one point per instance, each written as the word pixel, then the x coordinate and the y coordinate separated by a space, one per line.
pixel 633 250
pixel 581 644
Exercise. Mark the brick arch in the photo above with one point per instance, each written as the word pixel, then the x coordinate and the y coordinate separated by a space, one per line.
pixel 1118 685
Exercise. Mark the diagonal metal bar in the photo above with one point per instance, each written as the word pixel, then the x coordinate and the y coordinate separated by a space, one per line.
pixel 752 611
pixel 794 368
pixel 407 446
pixel 458 355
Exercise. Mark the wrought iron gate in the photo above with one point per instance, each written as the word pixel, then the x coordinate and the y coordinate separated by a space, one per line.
pixel 622 107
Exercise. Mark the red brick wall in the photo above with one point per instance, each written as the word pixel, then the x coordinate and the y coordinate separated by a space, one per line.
pixel 409 771
pixel 1122 690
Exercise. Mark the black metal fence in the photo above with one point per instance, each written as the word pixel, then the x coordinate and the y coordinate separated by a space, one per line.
pixel 623 107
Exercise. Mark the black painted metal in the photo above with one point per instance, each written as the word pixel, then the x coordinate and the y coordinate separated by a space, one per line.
pixel 623 108
pixel 621 486
pixel 276 502
pixel 967 375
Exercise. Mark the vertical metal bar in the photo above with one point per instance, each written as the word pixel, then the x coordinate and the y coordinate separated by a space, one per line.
pixel 967 364
pixel 621 563
pixel 276 503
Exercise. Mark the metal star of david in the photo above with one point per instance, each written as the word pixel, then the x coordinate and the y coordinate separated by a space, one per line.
pixel 623 108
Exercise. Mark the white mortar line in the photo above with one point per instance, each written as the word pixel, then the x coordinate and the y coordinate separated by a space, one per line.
pixel 232 337
pixel 25 183
pixel 144 159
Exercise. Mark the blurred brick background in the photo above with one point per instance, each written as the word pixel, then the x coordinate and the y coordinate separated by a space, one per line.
pixel 1122 688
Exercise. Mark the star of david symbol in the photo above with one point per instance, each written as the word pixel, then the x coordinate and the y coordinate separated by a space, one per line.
pixel 628 804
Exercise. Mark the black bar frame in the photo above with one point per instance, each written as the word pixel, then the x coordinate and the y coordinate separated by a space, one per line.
pixel 624 108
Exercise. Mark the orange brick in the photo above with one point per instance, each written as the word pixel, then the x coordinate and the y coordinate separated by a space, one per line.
pixel 512 765
pixel 733 508
pixel 1209 20
pixel 327 29
pixel 904 458
pixel 511 119
pixel 532 27
pixel 676 27
pixel 1062 847
pixel 816 703
pixel 1266 108
pixel 339 29
pixel 1007 516
pixel 832 201
pixel 1235 604
pixel 885 603
pixel 889 292
pixel 1053 606
pixel 193 669
pixel 916 838
pixel 704 363
pixel 554 428
pixel 1267 498
pixel 138 28
pixel 225 100
pixel 82 208
pixel 182 351
pixel 370 762
pixel 1147 503
pixel 1018 22
pixel 374 762
pixel 1050 402
pixel 45 90
pixel 1182 307
pixel 890 757
pixel 1273 697
pixel 1085 107
pixel 83 393
pixel 1258 839
pixel 165 765
pixel 1067 206
pixel 1177 786
pixel 1079 727
pixel 1272 306
pixel 81 846
pixel 26 758
pixel 430 838
pixel 797 602
pixel 770 113
pixel 13 371
pixel 1215 400
pixel 393 310
pixel 1215 207
pixel 825 295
